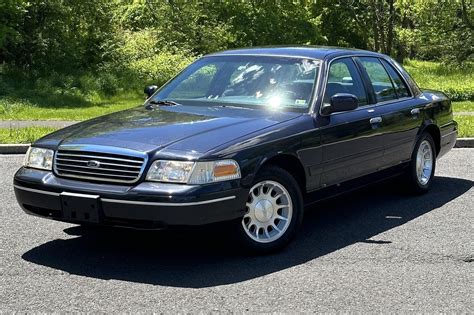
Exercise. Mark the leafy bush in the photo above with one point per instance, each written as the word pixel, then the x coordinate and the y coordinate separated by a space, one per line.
pixel 140 60
pixel 456 81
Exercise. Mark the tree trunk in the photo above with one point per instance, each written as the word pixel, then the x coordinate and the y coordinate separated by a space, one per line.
pixel 391 19
pixel 381 25
pixel 401 48
pixel 374 26
pixel 465 15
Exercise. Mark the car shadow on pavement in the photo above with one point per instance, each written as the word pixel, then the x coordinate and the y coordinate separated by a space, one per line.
pixel 203 257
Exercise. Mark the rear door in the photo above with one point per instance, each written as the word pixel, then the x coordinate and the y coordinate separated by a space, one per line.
pixel 351 143
pixel 400 112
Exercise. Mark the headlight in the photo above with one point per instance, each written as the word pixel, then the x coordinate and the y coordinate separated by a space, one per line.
pixel 39 158
pixel 193 172
pixel 170 171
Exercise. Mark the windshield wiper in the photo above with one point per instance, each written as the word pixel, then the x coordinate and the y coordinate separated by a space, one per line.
pixel 160 103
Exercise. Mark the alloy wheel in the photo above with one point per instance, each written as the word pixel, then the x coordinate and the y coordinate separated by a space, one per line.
pixel 424 162
pixel 269 209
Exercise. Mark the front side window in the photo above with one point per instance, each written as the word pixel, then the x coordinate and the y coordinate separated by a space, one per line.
pixel 249 81
pixel 381 82
pixel 344 77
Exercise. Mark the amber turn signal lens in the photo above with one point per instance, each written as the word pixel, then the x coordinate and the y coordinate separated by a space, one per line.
pixel 225 170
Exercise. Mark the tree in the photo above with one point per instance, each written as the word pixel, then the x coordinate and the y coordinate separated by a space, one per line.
pixel 56 35
pixel 438 30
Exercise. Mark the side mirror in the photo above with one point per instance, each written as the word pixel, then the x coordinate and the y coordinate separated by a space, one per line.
pixel 340 102
pixel 149 90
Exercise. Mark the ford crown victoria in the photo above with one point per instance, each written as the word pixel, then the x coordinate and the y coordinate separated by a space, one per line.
pixel 249 136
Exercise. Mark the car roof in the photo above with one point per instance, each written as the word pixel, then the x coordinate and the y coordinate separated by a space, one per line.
pixel 314 52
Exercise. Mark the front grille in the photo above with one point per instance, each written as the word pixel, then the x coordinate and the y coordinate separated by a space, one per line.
pixel 98 165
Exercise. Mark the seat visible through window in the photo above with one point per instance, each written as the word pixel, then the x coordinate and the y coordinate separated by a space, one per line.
pixel 344 78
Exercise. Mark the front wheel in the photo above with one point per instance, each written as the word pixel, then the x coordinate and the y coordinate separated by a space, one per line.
pixel 421 170
pixel 274 210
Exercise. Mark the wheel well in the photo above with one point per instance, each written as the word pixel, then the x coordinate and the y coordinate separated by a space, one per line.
pixel 433 130
pixel 292 165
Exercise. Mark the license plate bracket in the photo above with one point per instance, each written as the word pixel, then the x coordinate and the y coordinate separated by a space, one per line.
pixel 81 207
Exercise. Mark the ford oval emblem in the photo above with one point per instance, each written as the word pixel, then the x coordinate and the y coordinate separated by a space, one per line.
pixel 93 164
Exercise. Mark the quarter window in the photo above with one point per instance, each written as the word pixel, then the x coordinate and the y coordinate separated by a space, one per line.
pixel 344 78
pixel 381 82
pixel 400 86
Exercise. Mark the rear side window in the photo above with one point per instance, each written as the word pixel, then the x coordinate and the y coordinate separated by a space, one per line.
pixel 381 82
pixel 344 78
pixel 400 86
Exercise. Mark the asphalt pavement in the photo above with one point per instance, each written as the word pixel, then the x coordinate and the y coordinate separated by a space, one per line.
pixel 373 250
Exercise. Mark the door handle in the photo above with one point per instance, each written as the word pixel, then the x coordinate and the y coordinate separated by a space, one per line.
pixel 415 111
pixel 375 120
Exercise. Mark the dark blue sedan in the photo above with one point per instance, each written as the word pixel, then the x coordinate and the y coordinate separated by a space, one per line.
pixel 249 136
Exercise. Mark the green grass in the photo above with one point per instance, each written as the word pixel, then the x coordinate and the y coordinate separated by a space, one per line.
pixel 465 125
pixel 63 108
pixel 23 135
pixel 456 82
pixel 466 106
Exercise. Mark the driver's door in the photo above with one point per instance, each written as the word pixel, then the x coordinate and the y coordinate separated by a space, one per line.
pixel 351 143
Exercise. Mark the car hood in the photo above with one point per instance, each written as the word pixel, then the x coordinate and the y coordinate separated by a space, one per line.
pixel 182 128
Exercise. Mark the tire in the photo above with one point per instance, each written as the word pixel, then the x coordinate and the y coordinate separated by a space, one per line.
pixel 274 212
pixel 420 182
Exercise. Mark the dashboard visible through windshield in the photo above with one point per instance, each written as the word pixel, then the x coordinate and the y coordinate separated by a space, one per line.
pixel 250 81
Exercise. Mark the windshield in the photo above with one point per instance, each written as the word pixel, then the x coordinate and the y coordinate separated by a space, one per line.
pixel 249 81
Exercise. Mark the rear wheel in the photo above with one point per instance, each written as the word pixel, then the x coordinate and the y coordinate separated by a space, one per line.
pixel 274 210
pixel 421 170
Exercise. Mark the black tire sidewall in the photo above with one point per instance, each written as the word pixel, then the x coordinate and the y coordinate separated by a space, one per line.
pixel 287 180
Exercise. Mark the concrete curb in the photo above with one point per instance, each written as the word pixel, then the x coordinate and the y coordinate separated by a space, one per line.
pixel 21 148
pixel 464 143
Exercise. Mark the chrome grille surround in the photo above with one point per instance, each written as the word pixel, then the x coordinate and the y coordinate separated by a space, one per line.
pixel 99 163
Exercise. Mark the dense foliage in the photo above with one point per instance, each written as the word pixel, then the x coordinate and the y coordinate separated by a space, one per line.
pixel 106 45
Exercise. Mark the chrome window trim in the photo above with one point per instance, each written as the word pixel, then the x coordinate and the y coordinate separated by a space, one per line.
pixel 103 149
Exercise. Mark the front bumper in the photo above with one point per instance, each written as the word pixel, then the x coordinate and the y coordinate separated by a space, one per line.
pixel 145 205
